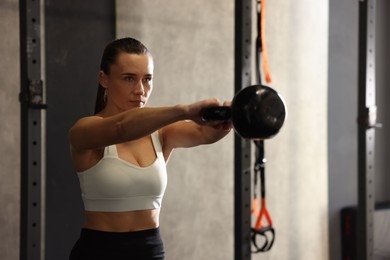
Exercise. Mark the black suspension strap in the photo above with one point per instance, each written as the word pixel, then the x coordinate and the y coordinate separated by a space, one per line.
pixel 263 233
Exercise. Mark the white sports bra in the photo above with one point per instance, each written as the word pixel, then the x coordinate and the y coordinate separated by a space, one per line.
pixel 115 185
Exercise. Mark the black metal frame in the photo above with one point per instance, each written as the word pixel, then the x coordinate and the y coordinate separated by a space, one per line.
pixel 366 130
pixel 242 160
pixel 31 99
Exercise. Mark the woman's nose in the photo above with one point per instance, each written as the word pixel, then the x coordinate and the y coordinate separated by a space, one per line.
pixel 139 88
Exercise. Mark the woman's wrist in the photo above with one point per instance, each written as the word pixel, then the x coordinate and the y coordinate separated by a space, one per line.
pixel 183 111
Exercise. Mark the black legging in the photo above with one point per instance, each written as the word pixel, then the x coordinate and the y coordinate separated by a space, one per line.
pixel 101 245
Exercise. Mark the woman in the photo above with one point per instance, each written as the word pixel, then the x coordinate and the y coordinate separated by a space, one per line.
pixel 120 154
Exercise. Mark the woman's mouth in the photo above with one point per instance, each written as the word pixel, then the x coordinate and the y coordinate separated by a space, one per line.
pixel 138 103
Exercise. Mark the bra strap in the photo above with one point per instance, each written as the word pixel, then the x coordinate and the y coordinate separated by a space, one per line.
pixel 110 151
pixel 157 144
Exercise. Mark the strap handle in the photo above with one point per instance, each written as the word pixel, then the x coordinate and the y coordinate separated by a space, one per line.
pixel 261 229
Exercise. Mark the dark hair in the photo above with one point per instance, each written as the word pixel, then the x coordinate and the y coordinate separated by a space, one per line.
pixel 110 54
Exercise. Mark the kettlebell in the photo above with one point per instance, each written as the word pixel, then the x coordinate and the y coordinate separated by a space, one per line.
pixel 257 112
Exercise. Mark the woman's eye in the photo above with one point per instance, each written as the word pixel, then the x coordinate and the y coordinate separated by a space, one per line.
pixel 148 80
pixel 131 79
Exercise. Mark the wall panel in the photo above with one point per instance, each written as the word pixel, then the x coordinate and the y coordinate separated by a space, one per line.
pixel 9 130
pixel 76 33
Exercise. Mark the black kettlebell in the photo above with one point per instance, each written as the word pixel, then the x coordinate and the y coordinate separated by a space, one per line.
pixel 257 112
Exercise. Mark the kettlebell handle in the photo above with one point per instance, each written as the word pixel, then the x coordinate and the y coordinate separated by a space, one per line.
pixel 216 113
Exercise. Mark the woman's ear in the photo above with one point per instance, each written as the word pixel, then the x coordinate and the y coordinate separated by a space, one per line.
pixel 103 79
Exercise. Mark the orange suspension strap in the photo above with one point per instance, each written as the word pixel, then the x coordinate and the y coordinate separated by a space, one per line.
pixel 260 42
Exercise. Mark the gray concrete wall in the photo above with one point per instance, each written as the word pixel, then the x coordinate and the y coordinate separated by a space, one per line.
pixel 9 130
pixel 297 40
pixel 192 43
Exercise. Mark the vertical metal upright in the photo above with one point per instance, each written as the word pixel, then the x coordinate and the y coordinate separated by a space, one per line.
pixel 366 130
pixel 242 160
pixel 31 99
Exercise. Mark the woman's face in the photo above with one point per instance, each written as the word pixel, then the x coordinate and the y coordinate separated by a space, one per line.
pixel 129 82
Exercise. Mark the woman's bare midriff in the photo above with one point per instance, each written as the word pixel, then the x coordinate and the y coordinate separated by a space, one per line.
pixel 122 221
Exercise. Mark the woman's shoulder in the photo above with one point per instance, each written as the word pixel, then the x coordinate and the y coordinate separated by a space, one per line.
pixel 80 131
pixel 82 123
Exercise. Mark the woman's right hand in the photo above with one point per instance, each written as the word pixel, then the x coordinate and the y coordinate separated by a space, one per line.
pixel 194 110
